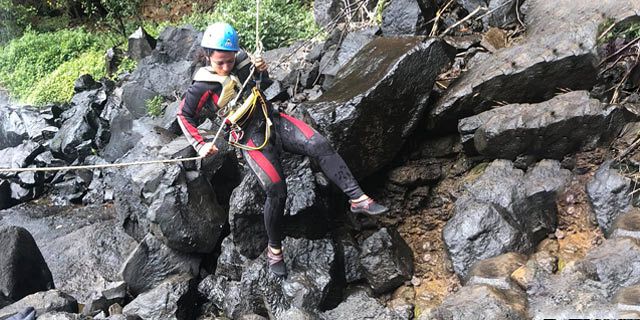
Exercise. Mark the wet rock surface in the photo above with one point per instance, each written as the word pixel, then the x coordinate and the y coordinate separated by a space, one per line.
pixel 521 206
pixel 608 193
pixel 351 116
pixel 554 55
pixel 146 237
pixel 567 123
pixel 23 269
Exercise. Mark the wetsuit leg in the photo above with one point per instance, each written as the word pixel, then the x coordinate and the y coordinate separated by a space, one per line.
pixel 265 164
pixel 298 137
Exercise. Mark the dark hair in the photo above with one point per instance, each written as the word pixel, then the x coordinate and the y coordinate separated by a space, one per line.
pixel 202 55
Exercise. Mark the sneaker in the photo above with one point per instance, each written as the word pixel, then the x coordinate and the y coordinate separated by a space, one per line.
pixel 276 263
pixel 368 206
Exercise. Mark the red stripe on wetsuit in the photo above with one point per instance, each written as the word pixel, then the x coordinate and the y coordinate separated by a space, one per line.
pixel 303 127
pixel 263 163
pixel 191 128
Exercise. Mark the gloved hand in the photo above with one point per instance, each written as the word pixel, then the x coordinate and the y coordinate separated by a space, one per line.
pixel 27 314
pixel 208 149
pixel 260 64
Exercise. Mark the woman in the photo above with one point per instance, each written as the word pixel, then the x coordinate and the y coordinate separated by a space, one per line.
pixel 261 132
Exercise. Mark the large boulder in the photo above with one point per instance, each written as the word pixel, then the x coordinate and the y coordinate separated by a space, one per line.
pixel 608 191
pixel 82 126
pixel 504 210
pixel 173 299
pixel 23 270
pixel 337 57
pixel 387 260
pixel 350 114
pixel 82 245
pixel 176 200
pixel 559 51
pixel 151 263
pixel 311 265
pixel 551 129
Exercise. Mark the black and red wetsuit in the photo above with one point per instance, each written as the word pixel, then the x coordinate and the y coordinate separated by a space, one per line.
pixel 287 134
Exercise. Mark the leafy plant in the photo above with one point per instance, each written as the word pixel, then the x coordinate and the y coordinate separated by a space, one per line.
pixel 154 106
pixel 609 30
pixel 29 59
pixel 281 22
pixel 58 85
pixel 126 65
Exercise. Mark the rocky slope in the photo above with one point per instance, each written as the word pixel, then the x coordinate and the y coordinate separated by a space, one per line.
pixel 510 167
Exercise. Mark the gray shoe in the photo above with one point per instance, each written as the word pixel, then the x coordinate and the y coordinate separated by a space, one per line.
pixel 368 206
pixel 276 263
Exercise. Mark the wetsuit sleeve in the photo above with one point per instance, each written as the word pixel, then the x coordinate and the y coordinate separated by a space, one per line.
pixel 198 96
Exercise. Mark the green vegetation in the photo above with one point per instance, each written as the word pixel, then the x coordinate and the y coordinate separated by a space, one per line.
pixel 380 6
pixel 126 65
pixel 609 30
pixel 34 56
pixel 154 106
pixel 58 85
pixel 281 21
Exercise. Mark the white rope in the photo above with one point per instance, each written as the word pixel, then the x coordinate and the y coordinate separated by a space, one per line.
pixel 98 166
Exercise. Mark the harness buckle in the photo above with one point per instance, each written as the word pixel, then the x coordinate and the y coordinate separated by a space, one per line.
pixel 236 133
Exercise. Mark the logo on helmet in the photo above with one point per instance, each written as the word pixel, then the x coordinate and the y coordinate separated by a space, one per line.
pixel 228 44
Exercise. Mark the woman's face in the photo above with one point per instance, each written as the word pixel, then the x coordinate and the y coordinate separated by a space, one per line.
pixel 222 62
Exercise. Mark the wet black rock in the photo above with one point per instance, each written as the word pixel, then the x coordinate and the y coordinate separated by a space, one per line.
pixel 151 263
pixel 175 298
pixel 140 44
pixel 23 270
pixel 608 191
pixel 387 260
pixel 80 125
pixel 551 129
pixel 305 208
pixel 19 124
pixel 558 53
pixel 407 17
pixel 504 210
pixel 350 115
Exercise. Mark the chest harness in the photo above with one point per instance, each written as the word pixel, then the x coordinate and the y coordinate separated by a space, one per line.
pixel 235 115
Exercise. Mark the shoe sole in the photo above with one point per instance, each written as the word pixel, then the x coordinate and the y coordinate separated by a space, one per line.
pixel 368 212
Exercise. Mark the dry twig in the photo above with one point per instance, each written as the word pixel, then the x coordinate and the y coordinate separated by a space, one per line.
pixel 469 16
pixel 434 28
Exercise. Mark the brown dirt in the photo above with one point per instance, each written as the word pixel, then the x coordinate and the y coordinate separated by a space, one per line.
pixel 171 10
pixel 434 279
